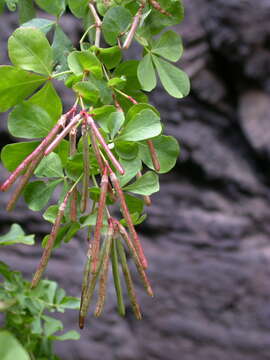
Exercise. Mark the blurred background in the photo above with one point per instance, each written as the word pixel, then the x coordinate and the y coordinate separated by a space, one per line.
pixel 207 233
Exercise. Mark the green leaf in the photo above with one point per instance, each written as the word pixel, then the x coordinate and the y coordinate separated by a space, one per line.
pixel 29 49
pixel 61 46
pixel 51 325
pixel 169 46
pixel 145 125
pixel 26 10
pixel 12 4
pixel 167 150
pixel 115 122
pixel 110 57
pixel 157 21
pixel 70 335
pixel 115 22
pixel 16 235
pixel 78 7
pixel 54 7
pixel 51 213
pixel 117 83
pixel 13 154
pixel 42 24
pixel 50 166
pixel 29 121
pixel 87 91
pixel 48 99
pixel 174 80
pixel 135 109
pixel 129 69
pixel 10 348
pixel 102 114
pixel 148 184
pixel 132 167
pixel 16 85
pixel 80 61
pixel 134 204
pixel 146 73
pixel 38 193
pixel 126 150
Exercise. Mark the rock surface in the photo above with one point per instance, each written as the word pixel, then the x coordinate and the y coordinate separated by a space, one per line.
pixel 207 234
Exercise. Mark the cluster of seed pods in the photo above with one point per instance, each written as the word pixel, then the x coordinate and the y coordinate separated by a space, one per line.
pixel 101 248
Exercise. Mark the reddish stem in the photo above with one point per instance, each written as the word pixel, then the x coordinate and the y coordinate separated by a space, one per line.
pixel 42 146
pixel 102 142
pixel 63 134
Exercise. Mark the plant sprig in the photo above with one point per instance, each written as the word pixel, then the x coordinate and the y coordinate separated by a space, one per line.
pixel 110 145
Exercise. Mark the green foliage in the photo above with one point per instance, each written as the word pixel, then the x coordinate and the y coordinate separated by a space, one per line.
pixel 110 146
pixel 28 331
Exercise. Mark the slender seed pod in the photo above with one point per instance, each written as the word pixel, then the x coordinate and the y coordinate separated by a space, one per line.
pixel 40 149
pixel 104 271
pixel 102 142
pixel 74 195
pixel 129 282
pixel 117 280
pixel 86 168
pixel 128 218
pixel 74 122
pixel 154 156
pixel 88 294
pixel 50 243
pixel 136 259
pixel 23 182
pixel 99 222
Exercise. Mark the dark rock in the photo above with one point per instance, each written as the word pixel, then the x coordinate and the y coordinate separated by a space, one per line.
pixel 207 234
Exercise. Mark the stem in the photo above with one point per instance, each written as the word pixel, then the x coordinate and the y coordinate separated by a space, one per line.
pixel 86 168
pixel 104 271
pixel 102 142
pixel 63 134
pixel 99 222
pixel 61 74
pixel 23 182
pixel 134 26
pixel 130 98
pixel 98 24
pixel 84 35
pixel 128 219
pixel 129 282
pixel 117 280
pixel 42 146
pixel 50 244
pixel 157 6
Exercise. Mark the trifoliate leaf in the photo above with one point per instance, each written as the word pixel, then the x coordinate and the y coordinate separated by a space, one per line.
pixel 29 49
pixel 174 80
pixel 16 85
